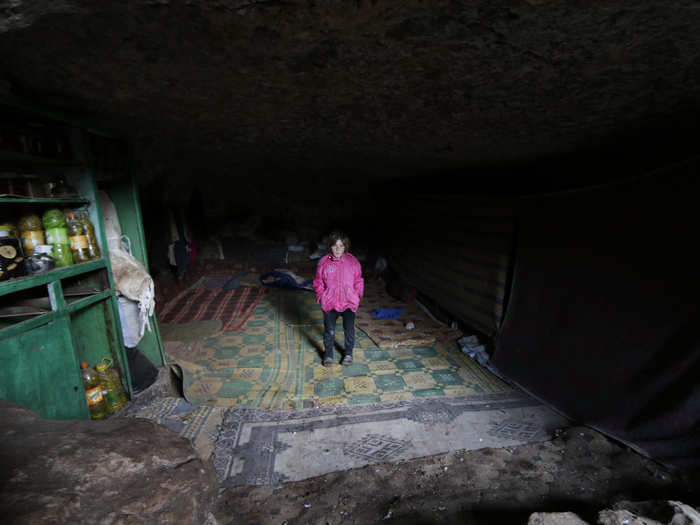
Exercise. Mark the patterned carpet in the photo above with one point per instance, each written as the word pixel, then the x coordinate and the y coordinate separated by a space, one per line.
pixel 201 425
pixel 390 334
pixel 274 362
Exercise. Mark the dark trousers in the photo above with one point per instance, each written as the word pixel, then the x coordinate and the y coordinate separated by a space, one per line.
pixel 329 320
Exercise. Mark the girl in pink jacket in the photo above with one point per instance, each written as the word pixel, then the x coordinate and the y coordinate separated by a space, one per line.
pixel 339 287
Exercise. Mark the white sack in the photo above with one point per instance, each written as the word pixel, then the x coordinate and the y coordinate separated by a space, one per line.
pixel 130 276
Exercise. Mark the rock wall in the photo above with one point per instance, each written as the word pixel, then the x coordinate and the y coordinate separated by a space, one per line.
pixel 112 471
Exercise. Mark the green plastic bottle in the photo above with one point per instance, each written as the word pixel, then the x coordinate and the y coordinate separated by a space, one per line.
pixel 93 392
pixel 112 389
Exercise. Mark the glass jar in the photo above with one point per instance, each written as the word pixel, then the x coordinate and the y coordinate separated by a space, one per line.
pixel 57 235
pixel 12 263
pixel 31 232
pixel 41 260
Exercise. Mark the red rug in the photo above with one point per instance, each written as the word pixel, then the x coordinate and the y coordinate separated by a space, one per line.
pixel 232 307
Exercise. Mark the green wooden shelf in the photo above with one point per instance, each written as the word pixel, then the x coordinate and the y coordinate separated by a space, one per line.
pixel 89 300
pixel 29 281
pixel 42 349
pixel 43 200
pixel 29 324
pixel 16 158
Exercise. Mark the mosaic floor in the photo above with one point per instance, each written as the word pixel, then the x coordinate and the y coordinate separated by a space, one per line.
pixel 275 362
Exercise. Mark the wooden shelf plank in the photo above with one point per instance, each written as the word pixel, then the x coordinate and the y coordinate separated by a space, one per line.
pixel 87 301
pixel 29 324
pixel 29 281
pixel 44 200
pixel 16 157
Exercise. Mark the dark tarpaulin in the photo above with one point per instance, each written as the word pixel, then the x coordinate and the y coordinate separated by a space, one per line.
pixel 603 320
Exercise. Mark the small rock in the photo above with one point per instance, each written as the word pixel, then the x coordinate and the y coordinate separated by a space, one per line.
pixel 555 518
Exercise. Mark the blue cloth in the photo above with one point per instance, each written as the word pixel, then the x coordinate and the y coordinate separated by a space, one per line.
pixel 386 313
pixel 286 279
pixel 234 282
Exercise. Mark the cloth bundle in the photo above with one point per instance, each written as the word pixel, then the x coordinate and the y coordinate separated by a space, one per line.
pixel 130 276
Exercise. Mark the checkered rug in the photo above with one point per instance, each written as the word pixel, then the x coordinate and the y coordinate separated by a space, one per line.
pixel 275 363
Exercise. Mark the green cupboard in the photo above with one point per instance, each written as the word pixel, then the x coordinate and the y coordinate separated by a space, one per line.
pixel 51 322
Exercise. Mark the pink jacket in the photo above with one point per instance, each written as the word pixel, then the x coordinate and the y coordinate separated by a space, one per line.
pixel 338 283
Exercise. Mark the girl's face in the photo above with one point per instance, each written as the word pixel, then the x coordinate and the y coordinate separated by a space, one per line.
pixel 338 249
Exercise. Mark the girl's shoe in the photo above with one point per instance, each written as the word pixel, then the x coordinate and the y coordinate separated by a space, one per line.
pixel 327 361
pixel 347 360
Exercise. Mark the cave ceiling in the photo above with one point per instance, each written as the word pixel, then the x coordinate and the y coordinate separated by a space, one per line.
pixel 364 89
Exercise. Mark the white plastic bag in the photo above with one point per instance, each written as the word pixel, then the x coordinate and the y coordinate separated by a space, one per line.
pixel 130 321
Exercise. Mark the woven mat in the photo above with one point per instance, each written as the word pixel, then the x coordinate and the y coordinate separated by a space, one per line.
pixel 232 307
pixel 276 363
pixel 199 424
pixel 387 333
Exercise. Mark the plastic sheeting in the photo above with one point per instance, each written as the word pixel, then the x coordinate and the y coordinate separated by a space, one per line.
pixel 604 313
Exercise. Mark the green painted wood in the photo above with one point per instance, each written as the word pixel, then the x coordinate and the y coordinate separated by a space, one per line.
pixel 22 283
pixel 27 200
pixel 97 334
pixel 39 371
pixel 39 358
pixel 29 324
pixel 93 339
pixel 15 158
pixel 88 301
pixel 58 302
pixel 124 194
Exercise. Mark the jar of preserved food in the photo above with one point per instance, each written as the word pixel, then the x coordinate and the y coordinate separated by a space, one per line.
pixel 31 232
pixel 41 261
pixel 10 228
pixel 57 235
pixel 11 257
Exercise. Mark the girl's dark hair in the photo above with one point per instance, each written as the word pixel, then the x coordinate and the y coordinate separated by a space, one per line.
pixel 337 235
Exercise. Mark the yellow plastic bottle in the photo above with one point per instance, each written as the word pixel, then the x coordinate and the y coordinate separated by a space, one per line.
pixel 93 392
pixel 112 389
pixel 78 239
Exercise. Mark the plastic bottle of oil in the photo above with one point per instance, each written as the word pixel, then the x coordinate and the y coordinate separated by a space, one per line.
pixel 89 230
pixel 93 392
pixel 78 239
pixel 112 389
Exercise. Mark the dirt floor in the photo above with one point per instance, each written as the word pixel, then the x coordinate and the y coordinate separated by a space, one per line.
pixel 580 471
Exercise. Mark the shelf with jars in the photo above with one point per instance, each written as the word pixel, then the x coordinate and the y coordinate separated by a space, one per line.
pixel 58 305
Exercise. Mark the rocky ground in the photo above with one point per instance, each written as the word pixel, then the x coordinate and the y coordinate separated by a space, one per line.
pixel 580 470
